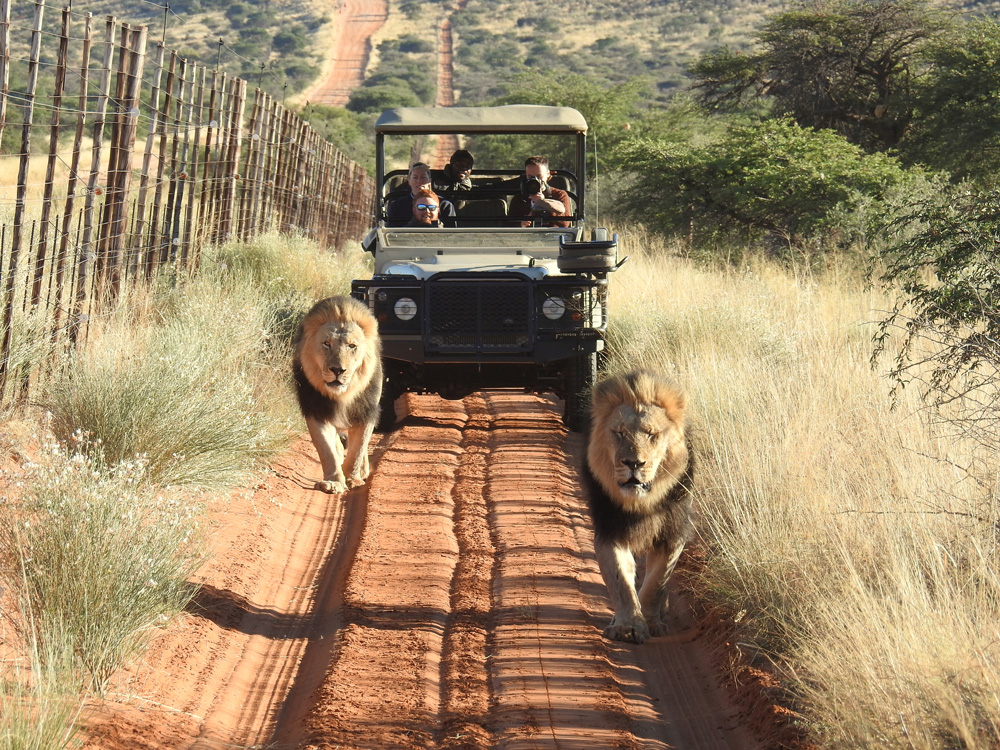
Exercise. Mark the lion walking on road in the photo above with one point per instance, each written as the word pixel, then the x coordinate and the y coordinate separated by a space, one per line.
pixel 637 476
pixel 337 368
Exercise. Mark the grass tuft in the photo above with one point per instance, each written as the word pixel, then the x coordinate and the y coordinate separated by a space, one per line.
pixel 97 559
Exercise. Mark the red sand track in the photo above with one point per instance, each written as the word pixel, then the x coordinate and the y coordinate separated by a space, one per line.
pixel 453 602
pixel 357 21
pixel 447 144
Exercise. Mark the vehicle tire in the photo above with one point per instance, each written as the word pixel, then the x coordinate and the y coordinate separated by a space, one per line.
pixel 579 378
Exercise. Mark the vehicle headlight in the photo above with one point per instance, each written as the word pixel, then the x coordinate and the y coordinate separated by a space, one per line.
pixel 554 308
pixel 405 308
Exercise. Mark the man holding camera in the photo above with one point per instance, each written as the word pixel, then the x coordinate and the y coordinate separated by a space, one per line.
pixel 537 198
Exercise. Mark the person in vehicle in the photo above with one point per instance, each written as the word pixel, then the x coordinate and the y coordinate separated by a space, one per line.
pixel 456 175
pixel 426 210
pixel 537 198
pixel 400 211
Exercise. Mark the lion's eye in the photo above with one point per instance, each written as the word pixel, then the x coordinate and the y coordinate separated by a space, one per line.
pixel 352 346
pixel 326 344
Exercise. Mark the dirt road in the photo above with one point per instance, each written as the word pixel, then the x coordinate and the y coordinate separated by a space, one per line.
pixel 454 602
pixel 344 69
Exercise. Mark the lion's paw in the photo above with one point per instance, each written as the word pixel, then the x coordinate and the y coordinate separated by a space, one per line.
pixel 333 488
pixel 353 482
pixel 632 630
pixel 656 627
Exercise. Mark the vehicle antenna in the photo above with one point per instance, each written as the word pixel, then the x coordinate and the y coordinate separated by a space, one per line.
pixel 597 187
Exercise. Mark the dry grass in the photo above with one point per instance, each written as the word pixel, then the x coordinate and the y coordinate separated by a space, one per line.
pixel 183 383
pixel 862 552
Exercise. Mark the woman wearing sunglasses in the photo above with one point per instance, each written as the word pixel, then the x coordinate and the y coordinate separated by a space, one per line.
pixel 426 210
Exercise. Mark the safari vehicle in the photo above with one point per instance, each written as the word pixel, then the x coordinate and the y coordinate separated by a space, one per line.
pixel 491 301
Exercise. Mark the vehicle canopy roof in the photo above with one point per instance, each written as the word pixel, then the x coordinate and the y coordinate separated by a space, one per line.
pixel 510 118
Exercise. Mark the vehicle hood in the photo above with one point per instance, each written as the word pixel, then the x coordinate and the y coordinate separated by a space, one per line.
pixel 533 268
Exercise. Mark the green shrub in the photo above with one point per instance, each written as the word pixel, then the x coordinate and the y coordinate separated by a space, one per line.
pixel 179 394
pixel 771 182
pixel 944 327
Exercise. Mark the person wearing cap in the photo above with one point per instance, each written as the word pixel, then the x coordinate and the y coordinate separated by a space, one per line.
pixel 456 175
pixel 426 210
pixel 400 211
pixel 537 197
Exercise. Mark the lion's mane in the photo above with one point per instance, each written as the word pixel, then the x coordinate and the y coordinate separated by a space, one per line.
pixel 666 510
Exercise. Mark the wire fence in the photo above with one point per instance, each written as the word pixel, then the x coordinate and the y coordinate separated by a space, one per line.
pixel 129 160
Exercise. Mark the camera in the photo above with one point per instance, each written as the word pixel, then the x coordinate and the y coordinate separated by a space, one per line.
pixel 531 186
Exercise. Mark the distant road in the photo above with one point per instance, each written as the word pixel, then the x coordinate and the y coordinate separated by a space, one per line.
pixel 358 20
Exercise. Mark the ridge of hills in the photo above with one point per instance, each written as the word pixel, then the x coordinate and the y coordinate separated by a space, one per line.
pixel 279 44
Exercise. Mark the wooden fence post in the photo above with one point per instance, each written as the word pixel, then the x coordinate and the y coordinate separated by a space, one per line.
pixel 22 187
pixel 41 249
pixel 142 249
pixel 171 232
pixel 4 72
pixel 81 121
pixel 192 174
pixel 94 189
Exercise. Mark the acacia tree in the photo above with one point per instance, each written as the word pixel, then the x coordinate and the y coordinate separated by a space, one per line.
pixel 944 329
pixel 957 125
pixel 770 180
pixel 846 65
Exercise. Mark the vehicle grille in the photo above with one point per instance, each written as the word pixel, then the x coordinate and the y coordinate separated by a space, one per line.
pixel 468 318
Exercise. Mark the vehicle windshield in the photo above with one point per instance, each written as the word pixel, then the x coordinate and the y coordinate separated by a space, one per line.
pixel 443 238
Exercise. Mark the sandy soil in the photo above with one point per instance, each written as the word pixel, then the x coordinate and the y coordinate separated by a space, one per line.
pixel 453 602
pixel 446 144
pixel 345 68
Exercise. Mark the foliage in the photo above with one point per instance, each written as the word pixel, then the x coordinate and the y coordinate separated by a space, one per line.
pixel 942 259
pixel 374 99
pixel 96 557
pixel 349 132
pixel 771 180
pixel 958 105
pixel 607 110
pixel 405 77
pixel 846 65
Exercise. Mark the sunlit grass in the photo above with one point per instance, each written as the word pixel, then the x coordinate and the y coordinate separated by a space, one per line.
pixel 180 394
pixel 39 701
pixel 856 543
pixel 98 558
pixel 192 377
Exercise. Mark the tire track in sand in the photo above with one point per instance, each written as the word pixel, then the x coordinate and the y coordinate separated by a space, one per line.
pixel 457 604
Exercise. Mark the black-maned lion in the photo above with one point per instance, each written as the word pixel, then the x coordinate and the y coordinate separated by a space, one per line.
pixel 337 369
pixel 637 476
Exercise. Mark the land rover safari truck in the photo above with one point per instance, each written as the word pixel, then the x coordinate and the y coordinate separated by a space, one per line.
pixel 494 298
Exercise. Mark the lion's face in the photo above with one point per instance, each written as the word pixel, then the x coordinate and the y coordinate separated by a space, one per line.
pixel 339 347
pixel 637 448
pixel 339 350
pixel 643 438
